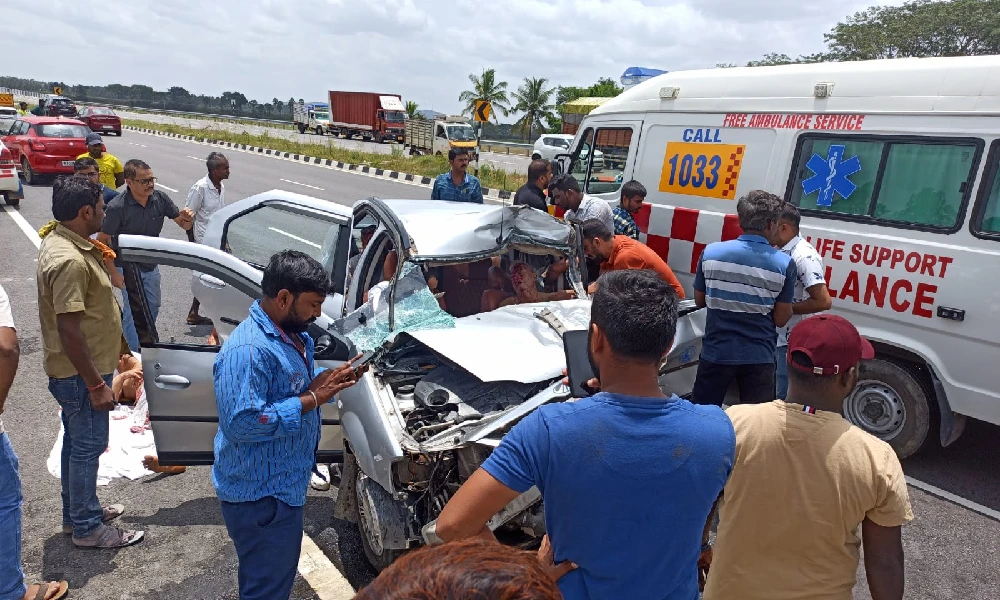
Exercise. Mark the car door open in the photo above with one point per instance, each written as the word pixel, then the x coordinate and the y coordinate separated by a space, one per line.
pixel 177 359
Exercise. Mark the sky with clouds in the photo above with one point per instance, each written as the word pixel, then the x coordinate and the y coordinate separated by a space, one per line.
pixel 421 49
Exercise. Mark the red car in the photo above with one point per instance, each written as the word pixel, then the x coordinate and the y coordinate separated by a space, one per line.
pixel 100 119
pixel 44 146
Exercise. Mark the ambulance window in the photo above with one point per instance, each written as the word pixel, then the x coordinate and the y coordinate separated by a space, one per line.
pixel 917 182
pixel 607 165
pixel 581 158
pixel 986 221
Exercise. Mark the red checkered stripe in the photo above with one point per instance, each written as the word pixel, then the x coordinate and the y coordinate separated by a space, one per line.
pixel 679 235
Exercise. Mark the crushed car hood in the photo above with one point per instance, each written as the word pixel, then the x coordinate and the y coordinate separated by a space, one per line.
pixel 510 343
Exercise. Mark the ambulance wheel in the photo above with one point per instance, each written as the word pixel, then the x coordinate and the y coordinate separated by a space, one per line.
pixel 894 404
pixel 302 129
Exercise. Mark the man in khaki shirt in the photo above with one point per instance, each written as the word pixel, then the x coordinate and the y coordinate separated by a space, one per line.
pixel 82 340
pixel 804 480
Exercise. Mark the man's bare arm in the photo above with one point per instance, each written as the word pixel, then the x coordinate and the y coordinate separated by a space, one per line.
pixel 699 299
pixel 10 353
pixel 75 347
pixel 782 313
pixel 104 238
pixel 819 300
pixel 883 560
pixel 473 505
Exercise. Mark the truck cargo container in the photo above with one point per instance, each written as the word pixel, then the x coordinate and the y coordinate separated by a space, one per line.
pixel 424 136
pixel 375 117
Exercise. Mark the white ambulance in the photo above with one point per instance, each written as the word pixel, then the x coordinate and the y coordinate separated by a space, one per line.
pixel 894 165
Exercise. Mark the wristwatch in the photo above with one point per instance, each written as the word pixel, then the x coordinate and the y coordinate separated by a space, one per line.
pixel 706 547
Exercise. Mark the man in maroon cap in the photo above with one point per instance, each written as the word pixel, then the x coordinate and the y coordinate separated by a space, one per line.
pixel 804 480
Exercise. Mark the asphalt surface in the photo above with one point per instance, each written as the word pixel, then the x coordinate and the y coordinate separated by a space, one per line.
pixel 951 550
pixel 506 162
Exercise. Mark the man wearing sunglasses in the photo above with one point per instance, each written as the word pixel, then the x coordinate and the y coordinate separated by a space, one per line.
pixel 140 210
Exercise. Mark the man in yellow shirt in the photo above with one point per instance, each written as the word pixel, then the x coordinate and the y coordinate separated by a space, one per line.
pixel 112 171
pixel 806 483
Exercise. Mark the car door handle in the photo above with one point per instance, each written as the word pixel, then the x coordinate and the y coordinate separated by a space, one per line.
pixel 212 282
pixel 172 382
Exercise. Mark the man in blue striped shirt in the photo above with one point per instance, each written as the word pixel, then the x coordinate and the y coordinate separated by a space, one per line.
pixel 457 185
pixel 269 423
pixel 748 288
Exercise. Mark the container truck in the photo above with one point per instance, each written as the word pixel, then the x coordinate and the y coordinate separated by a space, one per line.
pixel 312 116
pixel 375 117
pixel 441 135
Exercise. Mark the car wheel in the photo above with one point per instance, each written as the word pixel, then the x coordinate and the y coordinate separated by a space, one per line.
pixel 893 404
pixel 30 177
pixel 118 133
pixel 319 131
pixel 10 201
pixel 368 494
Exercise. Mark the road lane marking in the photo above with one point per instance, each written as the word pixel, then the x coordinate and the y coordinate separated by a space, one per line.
pixel 194 157
pixel 302 184
pixel 24 225
pixel 945 495
pixel 169 189
pixel 294 237
pixel 322 576
pixel 140 145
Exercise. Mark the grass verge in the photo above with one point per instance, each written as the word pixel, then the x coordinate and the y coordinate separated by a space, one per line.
pixel 430 166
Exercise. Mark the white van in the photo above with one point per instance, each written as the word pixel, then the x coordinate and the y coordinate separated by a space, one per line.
pixel 894 165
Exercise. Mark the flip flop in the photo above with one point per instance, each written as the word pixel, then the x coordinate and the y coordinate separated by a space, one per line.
pixel 111 512
pixel 48 590
pixel 109 536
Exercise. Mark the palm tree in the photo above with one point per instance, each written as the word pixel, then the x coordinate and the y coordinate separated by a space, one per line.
pixel 411 109
pixel 535 102
pixel 486 87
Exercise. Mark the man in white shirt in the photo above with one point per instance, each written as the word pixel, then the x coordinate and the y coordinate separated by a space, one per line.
pixel 811 294
pixel 580 206
pixel 207 195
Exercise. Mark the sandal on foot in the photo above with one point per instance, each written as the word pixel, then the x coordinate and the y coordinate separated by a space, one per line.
pixel 198 320
pixel 111 512
pixel 109 536
pixel 47 590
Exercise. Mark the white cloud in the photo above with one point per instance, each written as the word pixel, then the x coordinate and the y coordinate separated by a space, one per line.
pixel 421 49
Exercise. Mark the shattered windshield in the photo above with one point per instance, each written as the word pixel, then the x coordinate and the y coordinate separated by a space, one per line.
pixel 416 308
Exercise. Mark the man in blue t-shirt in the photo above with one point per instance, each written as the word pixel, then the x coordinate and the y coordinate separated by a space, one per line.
pixel 628 476
pixel 748 287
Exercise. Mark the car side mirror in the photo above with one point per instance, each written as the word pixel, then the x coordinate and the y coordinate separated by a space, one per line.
pixel 333 346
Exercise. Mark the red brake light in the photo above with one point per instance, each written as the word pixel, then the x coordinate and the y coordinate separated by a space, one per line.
pixel 37 145
pixel 6 158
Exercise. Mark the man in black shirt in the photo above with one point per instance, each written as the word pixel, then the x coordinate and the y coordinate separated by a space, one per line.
pixel 140 210
pixel 531 194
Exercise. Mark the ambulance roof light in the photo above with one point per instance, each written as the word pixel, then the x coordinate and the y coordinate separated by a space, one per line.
pixel 823 89
pixel 669 92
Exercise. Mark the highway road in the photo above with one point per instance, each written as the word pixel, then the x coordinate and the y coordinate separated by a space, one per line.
pixel 511 163
pixel 951 547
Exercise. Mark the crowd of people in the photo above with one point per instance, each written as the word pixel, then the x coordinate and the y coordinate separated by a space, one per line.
pixel 632 478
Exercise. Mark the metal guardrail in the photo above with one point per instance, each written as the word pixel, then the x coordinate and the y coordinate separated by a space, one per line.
pixel 520 149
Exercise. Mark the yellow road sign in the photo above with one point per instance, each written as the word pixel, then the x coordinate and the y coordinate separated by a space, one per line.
pixel 482 112
pixel 6 99
pixel 57 91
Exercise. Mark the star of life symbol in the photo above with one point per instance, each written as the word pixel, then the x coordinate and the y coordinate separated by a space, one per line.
pixel 830 175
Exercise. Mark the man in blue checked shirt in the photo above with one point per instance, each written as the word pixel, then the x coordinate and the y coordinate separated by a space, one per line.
pixel 269 423
pixel 457 185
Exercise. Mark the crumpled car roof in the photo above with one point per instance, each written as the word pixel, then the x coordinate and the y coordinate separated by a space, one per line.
pixel 442 230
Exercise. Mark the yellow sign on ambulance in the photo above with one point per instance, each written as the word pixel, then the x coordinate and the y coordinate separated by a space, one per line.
pixel 6 99
pixel 709 170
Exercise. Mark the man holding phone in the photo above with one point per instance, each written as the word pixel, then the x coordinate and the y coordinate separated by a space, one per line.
pixel 628 475
pixel 269 422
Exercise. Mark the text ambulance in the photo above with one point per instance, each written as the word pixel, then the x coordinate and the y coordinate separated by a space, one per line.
pixel 894 165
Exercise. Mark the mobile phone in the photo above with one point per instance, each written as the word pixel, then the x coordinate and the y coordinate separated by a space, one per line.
pixel 578 366
pixel 365 359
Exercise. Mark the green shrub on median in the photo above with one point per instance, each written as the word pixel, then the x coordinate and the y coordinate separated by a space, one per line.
pixel 397 160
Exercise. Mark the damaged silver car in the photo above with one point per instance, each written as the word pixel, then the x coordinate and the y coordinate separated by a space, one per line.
pixel 451 373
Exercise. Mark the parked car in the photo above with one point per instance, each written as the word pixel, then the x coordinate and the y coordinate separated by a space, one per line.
pixel 8 112
pixel 59 106
pixel 9 183
pixel 100 119
pixel 446 386
pixel 550 144
pixel 44 146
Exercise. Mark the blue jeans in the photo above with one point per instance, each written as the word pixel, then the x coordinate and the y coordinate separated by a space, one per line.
pixel 781 372
pixel 85 438
pixel 267 534
pixel 151 286
pixel 11 576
